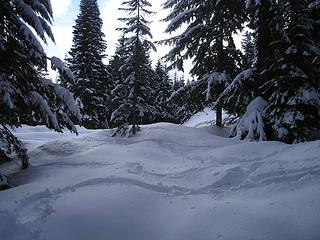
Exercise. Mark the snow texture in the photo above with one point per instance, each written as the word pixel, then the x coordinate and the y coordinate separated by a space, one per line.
pixel 251 125
pixel 205 118
pixel 168 182
pixel 315 4
pixel 57 63
pixel 214 79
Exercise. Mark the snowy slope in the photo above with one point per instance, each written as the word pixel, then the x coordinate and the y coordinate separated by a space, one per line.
pixel 170 182
pixel 201 119
pixel 204 118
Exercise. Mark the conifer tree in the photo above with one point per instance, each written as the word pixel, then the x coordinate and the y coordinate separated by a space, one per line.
pixel 243 93
pixel 118 60
pixel 61 79
pixel 210 25
pixel 92 80
pixel 137 103
pixel 177 83
pixel 284 83
pixel 25 91
pixel 117 71
pixel 163 92
pixel 249 49
pixel 293 88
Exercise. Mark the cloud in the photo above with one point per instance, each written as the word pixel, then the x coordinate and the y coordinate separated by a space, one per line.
pixel 60 7
pixel 109 14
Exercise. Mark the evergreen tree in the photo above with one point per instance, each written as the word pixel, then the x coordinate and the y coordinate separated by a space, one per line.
pixel 117 71
pixel 249 49
pixel 162 93
pixel 177 83
pixel 187 101
pixel 243 97
pixel 92 80
pixel 239 93
pixel 137 103
pixel 293 87
pixel 262 12
pixel 24 90
pixel 61 79
pixel 285 77
pixel 118 60
pixel 210 25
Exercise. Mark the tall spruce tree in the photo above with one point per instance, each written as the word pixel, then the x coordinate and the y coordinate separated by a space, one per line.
pixel 24 90
pixel 92 80
pixel 210 25
pixel 137 103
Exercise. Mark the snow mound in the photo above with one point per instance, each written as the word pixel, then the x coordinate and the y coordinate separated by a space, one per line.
pixel 204 118
pixel 201 119
pixel 168 182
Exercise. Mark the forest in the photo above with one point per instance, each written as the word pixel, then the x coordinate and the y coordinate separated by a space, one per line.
pixel 266 91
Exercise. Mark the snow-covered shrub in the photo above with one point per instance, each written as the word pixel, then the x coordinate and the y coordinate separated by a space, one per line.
pixel 3 182
pixel 251 125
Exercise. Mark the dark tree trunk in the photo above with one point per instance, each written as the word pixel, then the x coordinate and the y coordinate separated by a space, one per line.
pixel 220 68
pixel 264 39
pixel 219 116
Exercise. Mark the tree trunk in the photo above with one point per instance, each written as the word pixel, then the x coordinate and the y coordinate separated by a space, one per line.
pixel 219 116
pixel 264 38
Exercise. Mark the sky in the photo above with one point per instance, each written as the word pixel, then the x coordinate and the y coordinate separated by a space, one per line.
pixel 66 11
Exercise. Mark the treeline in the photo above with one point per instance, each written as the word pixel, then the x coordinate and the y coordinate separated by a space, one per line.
pixel 127 91
pixel 270 88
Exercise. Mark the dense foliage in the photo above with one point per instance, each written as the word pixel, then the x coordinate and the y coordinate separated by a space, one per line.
pixel 92 79
pixel 26 95
pixel 273 87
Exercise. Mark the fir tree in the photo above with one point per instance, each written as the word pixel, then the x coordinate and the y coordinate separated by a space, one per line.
pixel 24 90
pixel 177 83
pixel 92 80
pixel 163 92
pixel 210 25
pixel 137 103
pixel 118 73
pixel 118 60
pixel 249 49
pixel 285 77
pixel 241 95
pixel 293 88
pixel 61 79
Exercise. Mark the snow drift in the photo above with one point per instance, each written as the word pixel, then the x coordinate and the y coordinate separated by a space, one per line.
pixel 170 182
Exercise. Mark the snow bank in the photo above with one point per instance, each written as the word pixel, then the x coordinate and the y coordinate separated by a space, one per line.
pixel 204 118
pixel 169 182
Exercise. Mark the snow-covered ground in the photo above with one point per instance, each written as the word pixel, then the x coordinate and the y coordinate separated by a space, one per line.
pixel 170 182
pixel 204 118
